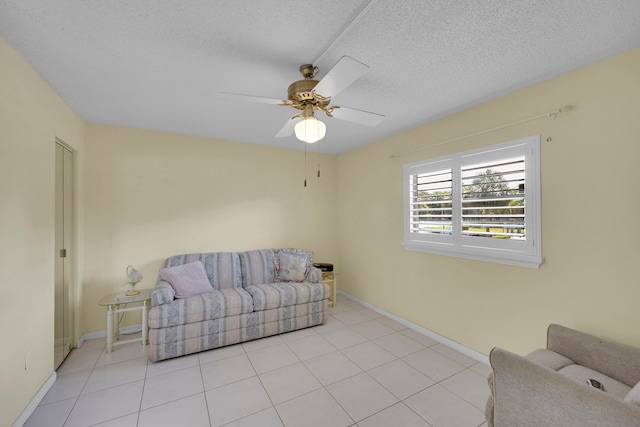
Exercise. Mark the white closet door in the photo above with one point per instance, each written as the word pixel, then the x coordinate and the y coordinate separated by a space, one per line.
pixel 64 253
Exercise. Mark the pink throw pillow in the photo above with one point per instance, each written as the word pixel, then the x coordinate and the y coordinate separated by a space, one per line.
pixel 187 279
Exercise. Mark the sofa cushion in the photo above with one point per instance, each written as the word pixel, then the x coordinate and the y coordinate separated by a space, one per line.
pixel 258 267
pixel 634 395
pixel 207 306
pixel 581 374
pixel 222 268
pixel 292 265
pixel 274 295
pixel 187 279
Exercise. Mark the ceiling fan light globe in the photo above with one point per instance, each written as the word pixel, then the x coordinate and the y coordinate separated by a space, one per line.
pixel 310 130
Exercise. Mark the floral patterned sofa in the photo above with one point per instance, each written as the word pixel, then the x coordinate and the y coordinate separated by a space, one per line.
pixel 203 301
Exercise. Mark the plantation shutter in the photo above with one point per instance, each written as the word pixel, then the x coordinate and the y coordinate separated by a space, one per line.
pixel 493 199
pixel 431 202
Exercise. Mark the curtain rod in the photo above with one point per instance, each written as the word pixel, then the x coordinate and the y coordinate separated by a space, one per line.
pixel 550 114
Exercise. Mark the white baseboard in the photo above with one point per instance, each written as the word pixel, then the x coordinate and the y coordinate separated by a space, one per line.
pixel 475 355
pixel 22 419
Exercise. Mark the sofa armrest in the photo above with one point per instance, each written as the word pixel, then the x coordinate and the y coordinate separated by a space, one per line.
pixel 527 394
pixel 613 359
pixel 163 293
pixel 314 275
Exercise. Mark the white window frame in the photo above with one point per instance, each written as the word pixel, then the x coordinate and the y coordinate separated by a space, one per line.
pixel 523 253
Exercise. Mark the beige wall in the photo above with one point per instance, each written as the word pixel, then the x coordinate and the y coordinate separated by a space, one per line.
pixel 31 117
pixel 590 181
pixel 150 195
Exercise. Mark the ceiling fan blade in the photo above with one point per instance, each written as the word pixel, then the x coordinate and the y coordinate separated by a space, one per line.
pixel 357 116
pixel 287 129
pixel 251 98
pixel 346 71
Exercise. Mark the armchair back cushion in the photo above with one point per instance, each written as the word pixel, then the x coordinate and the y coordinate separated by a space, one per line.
pixel 615 360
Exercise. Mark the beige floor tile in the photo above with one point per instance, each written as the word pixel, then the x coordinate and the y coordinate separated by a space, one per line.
pixel 351 317
pixel 400 379
pixel 220 353
pixel 372 329
pixel 126 421
pixel 66 386
pixel 116 374
pixel 171 365
pixel 482 369
pixel 171 386
pixel 392 324
pixel 79 361
pixel 92 345
pixel 332 367
pixel 433 364
pixel 361 396
pixel 331 324
pixel 442 408
pixel 105 405
pixel 273 357
pixel 311 346
pixel 226 371
pixel 267 418
pixel 344 337
pixel 315 409
pixel 368 312
pixel 122 353
pixel 420 338
pixel 190 411
pixel 289 382
pixel 341 307
pixel 262 343
pixel 51 415
pixel 235 401
pixel 470 386
pixel 398 344
pixel 300 333
pixel 368 355
pixel 454 355
pixel 397 415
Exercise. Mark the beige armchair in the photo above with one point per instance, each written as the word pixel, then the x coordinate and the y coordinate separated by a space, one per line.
pixel 549 386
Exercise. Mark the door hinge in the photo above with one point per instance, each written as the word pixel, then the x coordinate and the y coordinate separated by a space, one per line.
pixel 63 253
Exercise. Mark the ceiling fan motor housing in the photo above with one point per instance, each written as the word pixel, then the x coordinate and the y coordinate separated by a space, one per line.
pixel 301 92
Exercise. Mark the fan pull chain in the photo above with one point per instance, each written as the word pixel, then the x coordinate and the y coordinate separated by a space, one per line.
pixel 318 169
pixel 305 164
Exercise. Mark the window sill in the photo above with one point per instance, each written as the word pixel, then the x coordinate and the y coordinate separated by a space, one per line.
pixel 498 256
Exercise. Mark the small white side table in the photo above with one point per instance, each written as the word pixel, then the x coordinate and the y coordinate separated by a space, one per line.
pixel 118 303
pixel 329 278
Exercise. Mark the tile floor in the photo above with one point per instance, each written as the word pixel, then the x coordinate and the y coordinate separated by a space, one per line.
pixel 358 369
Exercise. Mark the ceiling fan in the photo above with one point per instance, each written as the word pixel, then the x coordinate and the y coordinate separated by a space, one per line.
pixel 310 95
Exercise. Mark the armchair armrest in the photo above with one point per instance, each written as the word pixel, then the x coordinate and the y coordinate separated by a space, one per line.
pixel 527 394
pixel 613 359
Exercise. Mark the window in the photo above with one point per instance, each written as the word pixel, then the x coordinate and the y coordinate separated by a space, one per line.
pixel 482 204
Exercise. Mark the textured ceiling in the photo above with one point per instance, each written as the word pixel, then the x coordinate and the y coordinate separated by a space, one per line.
pixel 160 64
